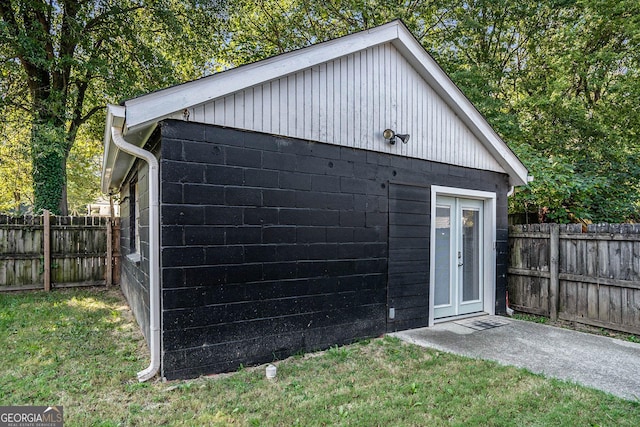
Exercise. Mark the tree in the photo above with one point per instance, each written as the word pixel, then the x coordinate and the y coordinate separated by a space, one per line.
pixel 74 56
pixel 83 172
pixel 259 29
pixel 15 164
pixel 557 80
pixel 577 107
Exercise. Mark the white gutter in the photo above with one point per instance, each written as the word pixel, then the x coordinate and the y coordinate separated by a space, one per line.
pixel 513 187
pixel 154 251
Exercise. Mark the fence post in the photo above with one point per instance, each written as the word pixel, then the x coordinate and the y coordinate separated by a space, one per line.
pixel 47 251
pixel 554 260
pixel 116 250
pixel 109 260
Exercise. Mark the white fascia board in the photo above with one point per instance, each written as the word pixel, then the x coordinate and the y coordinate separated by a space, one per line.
pixel 161 104
pixel 407 44
pixel 146 110
pixel 115 162
pixel 115 117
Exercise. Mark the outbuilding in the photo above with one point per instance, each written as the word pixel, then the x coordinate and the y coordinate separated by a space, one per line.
pixel 328 194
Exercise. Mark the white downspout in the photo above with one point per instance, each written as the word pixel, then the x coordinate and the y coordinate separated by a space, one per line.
pixel 154 251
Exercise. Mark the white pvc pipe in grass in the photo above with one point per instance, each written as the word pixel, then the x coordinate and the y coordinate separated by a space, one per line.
pixel 154 251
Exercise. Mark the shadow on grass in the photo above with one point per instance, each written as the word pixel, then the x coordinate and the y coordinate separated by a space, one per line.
pixel 64 343
pixel 81 349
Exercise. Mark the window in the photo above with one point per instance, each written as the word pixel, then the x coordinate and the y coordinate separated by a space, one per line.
pixel 134 217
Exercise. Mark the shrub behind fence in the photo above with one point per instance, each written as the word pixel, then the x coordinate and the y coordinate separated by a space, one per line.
pixel 591 278
pixel 38 252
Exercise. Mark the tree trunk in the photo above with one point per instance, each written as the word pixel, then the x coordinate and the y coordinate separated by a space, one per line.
pixel 62 205
pixel 49 154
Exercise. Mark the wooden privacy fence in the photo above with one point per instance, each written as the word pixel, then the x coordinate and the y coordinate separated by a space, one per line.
pixel 41 252
pixel 591 278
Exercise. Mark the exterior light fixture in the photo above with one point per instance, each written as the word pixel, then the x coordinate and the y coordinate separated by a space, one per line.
pixel 391 136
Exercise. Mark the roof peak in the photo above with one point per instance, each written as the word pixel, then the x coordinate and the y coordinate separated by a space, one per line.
pixel 144 112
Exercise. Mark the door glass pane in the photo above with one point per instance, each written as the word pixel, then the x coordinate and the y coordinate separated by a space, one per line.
pixel 470 255
pixel 443 255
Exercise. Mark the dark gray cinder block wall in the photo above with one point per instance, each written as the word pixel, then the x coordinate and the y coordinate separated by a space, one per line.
pixel 409 237
pixel 271 246
pixel 134 279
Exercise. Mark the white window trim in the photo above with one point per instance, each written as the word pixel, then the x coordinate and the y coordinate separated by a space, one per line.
pixel 489 285
pixel 137 218
pixel 135 256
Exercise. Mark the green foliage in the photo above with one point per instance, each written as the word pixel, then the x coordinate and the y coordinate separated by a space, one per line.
pixel 577 113
pixel 16 192
pixel 256 30
pixel 48 159
pixel 83 172
pixel 531 318
pixel 557 80
pixel 61 61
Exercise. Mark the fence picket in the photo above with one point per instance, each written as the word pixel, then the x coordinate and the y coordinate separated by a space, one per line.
pixel 603 303
pixel 592 276
pixel 615 305
pixel 636 308
pixel 78 252
pixel 592 301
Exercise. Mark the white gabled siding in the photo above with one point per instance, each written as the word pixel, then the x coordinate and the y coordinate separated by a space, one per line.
pixel 350 101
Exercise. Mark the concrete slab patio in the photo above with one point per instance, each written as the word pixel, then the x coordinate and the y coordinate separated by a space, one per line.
pixel 604 363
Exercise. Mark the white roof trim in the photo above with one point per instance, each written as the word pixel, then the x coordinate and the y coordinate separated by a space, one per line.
pixel 145 111
pixel 453 96
pixel 162 104
pixel 115 117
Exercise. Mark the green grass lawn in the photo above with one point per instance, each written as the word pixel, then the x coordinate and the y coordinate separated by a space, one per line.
pixel 81 349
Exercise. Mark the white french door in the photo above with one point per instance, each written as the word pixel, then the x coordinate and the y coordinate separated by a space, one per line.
pixel 459 256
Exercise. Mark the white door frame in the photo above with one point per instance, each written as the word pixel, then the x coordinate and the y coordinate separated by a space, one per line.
pixel 489 278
